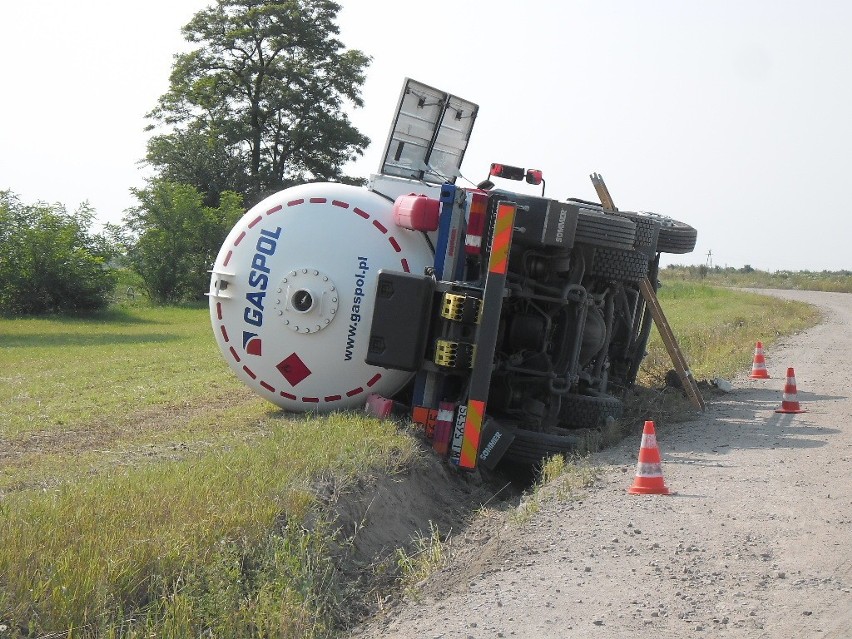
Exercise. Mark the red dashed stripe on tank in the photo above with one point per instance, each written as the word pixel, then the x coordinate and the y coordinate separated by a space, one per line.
pixel 267 386
pixel 338 203
pixel 234 353
pixel 250 372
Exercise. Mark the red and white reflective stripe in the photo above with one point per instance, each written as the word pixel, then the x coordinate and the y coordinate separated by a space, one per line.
pixel 789 393
pixel 649 470
pixel 649 441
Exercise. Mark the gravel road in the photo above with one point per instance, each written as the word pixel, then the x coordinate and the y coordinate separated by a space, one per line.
pixel 757 542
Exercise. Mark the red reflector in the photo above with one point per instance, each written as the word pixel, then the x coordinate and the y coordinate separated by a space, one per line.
pixel 475 222
pixel 378 406
pixel 416 212
pixel 534 176
pixel 443 428
pixel 507 172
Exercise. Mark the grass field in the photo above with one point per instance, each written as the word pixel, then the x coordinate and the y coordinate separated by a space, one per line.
pixel 145 492
pixel 747 277
pixel 139 477
pixel 717 328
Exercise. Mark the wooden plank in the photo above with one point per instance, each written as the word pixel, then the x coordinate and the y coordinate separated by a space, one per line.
pixel 602 191
pixel 676 355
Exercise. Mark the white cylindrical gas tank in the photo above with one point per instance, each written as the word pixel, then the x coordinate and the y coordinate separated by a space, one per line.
pixel 292 292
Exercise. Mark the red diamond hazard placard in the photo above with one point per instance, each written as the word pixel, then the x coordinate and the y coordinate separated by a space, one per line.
pixel 293 369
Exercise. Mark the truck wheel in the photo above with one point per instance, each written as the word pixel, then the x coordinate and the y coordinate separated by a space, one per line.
pixel 675 236
pixel 585 414
pixel 586 411
pixel 647 229
pixel 531 447
pixel 601 229
pixel 619 265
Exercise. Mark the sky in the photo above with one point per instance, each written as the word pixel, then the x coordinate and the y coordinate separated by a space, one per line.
pixel 732 116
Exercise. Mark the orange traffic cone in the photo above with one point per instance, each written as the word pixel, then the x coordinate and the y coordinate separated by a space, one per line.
pixel 758 368
pixel 649 472
pixel 789 403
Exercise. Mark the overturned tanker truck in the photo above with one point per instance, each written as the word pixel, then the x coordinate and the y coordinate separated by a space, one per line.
pixel 506 324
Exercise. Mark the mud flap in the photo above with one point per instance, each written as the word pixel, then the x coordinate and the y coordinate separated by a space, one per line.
pixel 495 442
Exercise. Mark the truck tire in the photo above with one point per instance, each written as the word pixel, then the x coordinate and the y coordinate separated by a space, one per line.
pixel 619 265
pixel 595 228
pixel 586 411
pixel 675 236
pixel 587 415
pixel 531 447
pixel 647 229
pixel 646 233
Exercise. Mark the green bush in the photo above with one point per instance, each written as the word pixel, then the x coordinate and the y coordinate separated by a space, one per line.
pixel 50 262
pixel 176 238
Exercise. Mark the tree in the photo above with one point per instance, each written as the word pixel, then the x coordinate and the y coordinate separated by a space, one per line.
pixel 196 157
pixel 50 261
pixel 259 104
pixel 176 238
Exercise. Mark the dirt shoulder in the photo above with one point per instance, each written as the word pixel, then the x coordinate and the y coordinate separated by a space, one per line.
pixel 756 542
